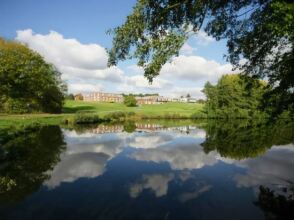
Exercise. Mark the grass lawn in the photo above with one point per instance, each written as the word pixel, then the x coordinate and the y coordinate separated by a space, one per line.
pixel 71 107
pixel 159 109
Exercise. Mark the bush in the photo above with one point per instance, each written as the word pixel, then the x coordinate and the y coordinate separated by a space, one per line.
pixel 85 118
pixel 115 116
pixel 130 101
pixel 131 113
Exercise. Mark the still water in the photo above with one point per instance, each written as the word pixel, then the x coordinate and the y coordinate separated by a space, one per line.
pixel 148 170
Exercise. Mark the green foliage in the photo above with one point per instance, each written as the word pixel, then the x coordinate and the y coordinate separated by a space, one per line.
pixel 69 96
pixel 86 118
pixel 234 96
pixel 130 101
pixel 260 32
pixel 116 116
pixel 28 83
pixel 199 115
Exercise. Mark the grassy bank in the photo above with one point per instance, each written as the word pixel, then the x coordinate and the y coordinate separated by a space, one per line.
pixel 167 110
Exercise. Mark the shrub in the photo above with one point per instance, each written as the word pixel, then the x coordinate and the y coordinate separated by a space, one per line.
pixel 130 101
pixel 115 116
pixel 85 118
pixel 131 113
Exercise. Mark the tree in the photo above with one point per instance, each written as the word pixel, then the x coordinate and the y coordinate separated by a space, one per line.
pixel 235 96
pixel 130 101
pixel 28 83
pixel 188 96
pixel 259 33
pixel 79 97
pixel 69 96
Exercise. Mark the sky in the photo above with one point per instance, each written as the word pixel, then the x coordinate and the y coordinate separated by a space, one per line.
pixel 71 34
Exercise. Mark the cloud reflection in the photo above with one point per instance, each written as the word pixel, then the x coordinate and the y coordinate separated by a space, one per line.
pixel 85 157
pixel 274 169
pixel 183 153
pixel 158 183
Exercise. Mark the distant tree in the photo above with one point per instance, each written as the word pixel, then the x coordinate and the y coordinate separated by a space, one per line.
pixel 235 96
pixel 69 96
pixel 201 101
pixel 188 96
pixel 27 82
pixel 130 101
pixel 79 97
pixel 182 96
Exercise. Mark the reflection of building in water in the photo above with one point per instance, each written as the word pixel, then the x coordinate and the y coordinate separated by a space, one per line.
pixel 185 129
pixel 101 129
pixel 149 127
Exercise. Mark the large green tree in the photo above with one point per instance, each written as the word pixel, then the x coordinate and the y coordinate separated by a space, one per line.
pixel 235 96
pixel 259 33
pixel 27 82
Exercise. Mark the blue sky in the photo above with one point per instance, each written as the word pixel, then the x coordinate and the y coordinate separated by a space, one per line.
pixel 86 22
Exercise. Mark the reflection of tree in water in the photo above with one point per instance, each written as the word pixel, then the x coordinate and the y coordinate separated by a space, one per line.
pixel 241 139
pixel 129 126
pixel 25 157
pixel 276 206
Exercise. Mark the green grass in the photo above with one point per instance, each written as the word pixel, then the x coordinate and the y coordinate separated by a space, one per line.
pixel 102 109
pixel 185 109
pixel 27 119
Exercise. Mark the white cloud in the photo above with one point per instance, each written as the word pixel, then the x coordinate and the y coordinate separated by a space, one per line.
pixel 187 49
pixel 84 87
pixel 139 81
pixel 84 67
pixel 113 74
pixel 195 68
pixel 71 57
pixel 65 52
pixel 203 39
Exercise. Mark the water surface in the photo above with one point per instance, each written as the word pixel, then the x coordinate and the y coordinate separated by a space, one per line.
pixel 214 170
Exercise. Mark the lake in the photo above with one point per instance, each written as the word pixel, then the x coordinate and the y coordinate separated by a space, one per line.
pixel 149 170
